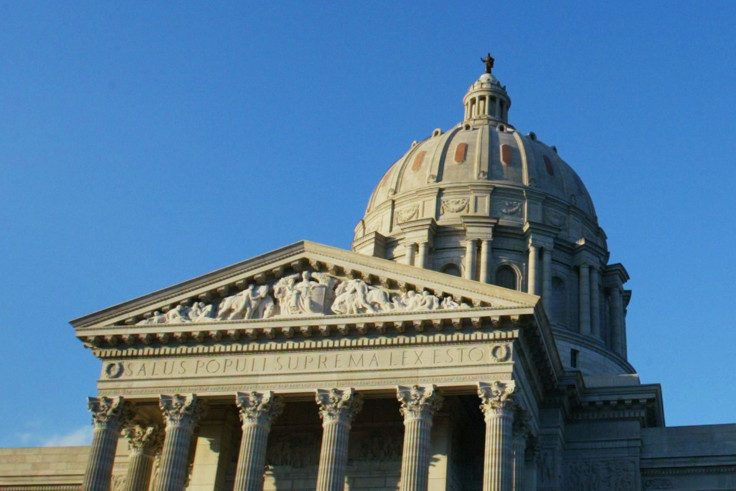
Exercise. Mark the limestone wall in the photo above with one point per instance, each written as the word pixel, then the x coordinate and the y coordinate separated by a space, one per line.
pixel 46 468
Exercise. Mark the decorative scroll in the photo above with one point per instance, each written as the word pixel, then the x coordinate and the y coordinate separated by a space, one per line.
pixel 182 410
pixel 144 438
pixel 108 411
pixel 304 294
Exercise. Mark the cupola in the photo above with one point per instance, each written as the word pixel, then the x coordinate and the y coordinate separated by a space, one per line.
pixel 487 98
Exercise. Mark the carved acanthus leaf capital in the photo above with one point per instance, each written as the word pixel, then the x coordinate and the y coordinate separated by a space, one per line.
pixel 336 405
pixel 496 395
pixel 419 401
pixel 182 410
pixel 259 408
pixel 144 438
pixel 108 412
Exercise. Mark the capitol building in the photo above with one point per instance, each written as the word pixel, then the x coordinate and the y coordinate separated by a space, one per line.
pixel 474 338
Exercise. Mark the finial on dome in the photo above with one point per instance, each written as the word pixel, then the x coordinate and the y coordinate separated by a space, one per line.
pixel 488 60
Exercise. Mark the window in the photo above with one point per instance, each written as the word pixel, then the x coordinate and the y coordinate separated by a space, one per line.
pixel 451 269
pixel 506 277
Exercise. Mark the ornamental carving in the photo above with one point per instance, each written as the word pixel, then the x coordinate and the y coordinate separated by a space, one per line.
pixel 144 438
pixel 296 450
pixel 306 293
pixel 259 408
pixel 336 405
pixel 406 214
pixel 496 395
pixel 107 412
pixel 380 446
pixel 511 208
pixel 418 401
pixel 182 410
pixel 583 475
pixel 454 205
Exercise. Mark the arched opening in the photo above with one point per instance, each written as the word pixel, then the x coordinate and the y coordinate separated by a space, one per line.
pixel 451 269
pixel 506 277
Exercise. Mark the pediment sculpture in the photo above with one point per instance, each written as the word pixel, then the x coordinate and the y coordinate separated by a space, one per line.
pixel 306 293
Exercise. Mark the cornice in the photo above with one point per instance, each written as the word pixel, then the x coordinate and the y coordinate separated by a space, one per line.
pixel 307 333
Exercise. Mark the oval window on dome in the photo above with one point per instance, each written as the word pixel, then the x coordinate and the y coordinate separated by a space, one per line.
pixel 506 154
pixel 461 153
pixel 548 165
pixel 417 161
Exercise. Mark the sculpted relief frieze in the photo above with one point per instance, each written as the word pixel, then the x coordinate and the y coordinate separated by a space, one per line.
pixel 305 293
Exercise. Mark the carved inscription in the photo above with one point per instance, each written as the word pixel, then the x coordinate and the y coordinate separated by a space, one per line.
pixel 258 364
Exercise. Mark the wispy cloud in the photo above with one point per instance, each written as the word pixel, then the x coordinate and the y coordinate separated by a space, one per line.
pixel 78 437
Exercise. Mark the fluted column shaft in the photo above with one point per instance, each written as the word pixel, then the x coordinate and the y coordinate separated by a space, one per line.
pixel 498 408
pixel 485 261
pixel 337 409
pixel 532 274
pixel 546 277
pixel 108 415
pixel 418 405
pixel 144 441
pixel 257 412
pixel 584 299
pixel 595 303
pixel 181 414
pixel 469 272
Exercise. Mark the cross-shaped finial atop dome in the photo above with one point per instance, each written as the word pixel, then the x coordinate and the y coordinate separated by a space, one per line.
pixel 488 60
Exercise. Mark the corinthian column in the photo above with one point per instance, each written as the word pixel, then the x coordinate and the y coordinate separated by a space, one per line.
pixel 418 405
pixel 181 414
pixel 257 412
pixel 532 270
pixel 144 441
pixel 498 408
pixel 337 409
pixel 108 415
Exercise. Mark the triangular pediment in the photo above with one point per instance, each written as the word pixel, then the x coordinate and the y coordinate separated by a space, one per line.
pixel 306 280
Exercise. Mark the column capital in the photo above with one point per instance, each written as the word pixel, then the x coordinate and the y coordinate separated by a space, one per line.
pixel 108 411
pixel 182 410
pixel 418 401
pixel 258 408
pixel 497 395
pixel 338 405
pixel 144 438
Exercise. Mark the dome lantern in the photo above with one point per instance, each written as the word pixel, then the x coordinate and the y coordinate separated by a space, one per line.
pixel 487 98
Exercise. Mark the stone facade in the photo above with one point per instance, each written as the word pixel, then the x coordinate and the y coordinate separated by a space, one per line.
pixel 475 338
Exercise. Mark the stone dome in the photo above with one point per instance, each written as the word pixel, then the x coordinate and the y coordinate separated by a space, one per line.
pixel 488 203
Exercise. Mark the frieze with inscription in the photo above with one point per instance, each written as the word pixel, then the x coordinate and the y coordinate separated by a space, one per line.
pixel 306 293
pixel 277 363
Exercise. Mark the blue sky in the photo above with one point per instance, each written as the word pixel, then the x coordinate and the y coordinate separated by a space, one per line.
pixel 143 144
